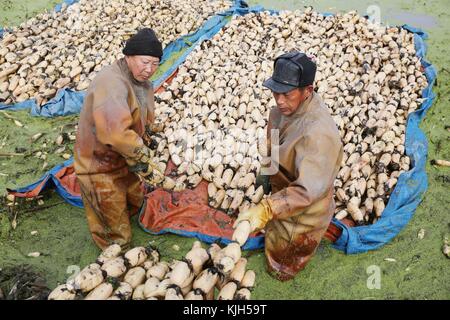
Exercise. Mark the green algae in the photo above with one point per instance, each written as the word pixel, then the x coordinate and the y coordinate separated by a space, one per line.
pixel 420 270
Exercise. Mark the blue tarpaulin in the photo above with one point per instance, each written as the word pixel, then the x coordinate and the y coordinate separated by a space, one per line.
pixel 405 197
pixel 52 179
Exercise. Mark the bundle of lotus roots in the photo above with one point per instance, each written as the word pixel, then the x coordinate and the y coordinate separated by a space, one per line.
pixel 215 111
pixel 139 274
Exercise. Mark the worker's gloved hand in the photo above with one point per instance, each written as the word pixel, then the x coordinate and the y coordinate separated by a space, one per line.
pixel 148 170
pixel 156 176
pixel 140 166
pixel 258 216
pixel 143 165
pixel 147 137
pixel 148 187
pixel 155 127
pixel 148 130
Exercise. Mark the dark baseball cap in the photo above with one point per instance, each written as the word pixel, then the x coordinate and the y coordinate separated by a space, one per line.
pixel 291 70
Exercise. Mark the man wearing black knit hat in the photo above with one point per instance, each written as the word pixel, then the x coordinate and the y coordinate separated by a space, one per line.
pixel 118 110
pixel 302 169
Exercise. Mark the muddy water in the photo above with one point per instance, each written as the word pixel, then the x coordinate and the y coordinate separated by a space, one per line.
pixel 388 12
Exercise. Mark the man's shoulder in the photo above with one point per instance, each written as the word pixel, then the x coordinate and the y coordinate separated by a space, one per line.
pixel 318 101
pixel 108 76
pixel 320 119
pixel 320 109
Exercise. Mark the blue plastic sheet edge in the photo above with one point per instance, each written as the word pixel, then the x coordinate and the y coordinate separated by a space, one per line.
pixel 51 180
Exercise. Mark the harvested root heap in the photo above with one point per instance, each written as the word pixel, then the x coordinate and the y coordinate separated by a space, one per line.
pixel 215 110
pixel 139 274
pixel 67 49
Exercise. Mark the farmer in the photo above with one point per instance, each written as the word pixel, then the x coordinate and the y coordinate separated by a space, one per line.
pixel 117 114
pixel 297 213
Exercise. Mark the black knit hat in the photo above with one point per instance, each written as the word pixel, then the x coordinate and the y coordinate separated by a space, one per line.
pixel 292 70
pixel 143 43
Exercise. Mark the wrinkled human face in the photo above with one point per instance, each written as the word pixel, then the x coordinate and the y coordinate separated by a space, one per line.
pixel 289 102
pixel 142 67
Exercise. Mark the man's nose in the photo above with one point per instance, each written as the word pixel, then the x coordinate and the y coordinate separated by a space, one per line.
pixel 280 98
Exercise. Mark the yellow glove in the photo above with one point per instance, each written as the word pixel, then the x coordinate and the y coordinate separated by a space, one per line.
pixel 258 216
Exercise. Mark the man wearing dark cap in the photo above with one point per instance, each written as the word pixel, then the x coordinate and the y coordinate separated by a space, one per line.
pixel 297 213
pixel 118 109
